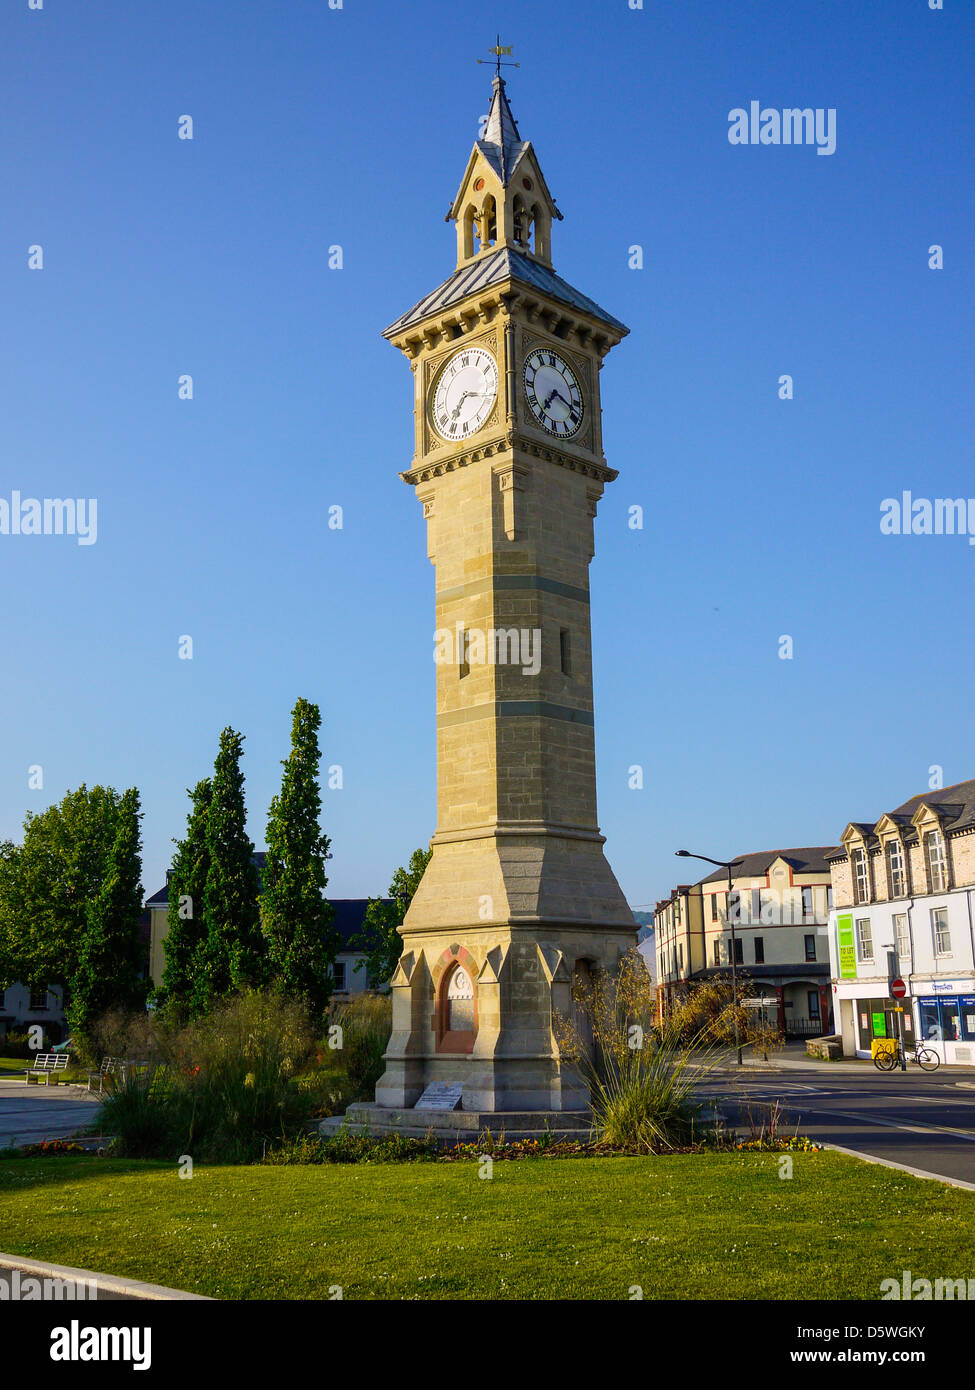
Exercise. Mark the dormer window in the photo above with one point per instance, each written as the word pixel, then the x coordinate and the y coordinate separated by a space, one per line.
pixel 934 848
pixel 861 876
pixel 896 870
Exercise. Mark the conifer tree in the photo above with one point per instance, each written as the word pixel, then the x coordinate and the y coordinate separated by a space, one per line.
pixel 187 883
pixel 110 960
pixel 233 954
pixel 296 919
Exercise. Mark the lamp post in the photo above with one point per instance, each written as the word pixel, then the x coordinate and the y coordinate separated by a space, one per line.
pixel 728 864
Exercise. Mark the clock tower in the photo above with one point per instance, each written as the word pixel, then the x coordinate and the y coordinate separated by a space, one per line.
pixel 518 900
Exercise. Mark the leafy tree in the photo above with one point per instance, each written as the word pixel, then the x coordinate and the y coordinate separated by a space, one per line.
pixel 48 882
pixel 110 958
pixel 379 937
pixel 295 917
pixel 233 955
pixel 187 884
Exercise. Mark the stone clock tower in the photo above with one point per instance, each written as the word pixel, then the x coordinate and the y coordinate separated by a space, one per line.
pixel 518 898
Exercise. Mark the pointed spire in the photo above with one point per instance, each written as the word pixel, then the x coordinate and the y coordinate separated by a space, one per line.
pixel 501 129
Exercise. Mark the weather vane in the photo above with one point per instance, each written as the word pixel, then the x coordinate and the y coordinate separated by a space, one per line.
pixel 499 53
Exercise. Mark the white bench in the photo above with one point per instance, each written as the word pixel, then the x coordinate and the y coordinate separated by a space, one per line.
pixel 46 1064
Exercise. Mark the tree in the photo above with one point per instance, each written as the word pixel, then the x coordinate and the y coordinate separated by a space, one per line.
pixel 187 884
pixel 380 938
pixel 110 959
pixel 295 918
pixel 232 956
pixel 48 882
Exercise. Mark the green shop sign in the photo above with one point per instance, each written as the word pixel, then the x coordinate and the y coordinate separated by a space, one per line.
pixel 847 950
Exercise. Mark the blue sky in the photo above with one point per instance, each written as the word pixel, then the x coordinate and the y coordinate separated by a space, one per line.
pixel 315 127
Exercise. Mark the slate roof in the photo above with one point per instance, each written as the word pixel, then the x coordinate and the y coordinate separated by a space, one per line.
pixel 502 146
pixel 956 804
pixel 498 266
pixel 810 860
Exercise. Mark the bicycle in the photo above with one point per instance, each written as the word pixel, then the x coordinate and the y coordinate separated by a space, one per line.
pixel 925 1057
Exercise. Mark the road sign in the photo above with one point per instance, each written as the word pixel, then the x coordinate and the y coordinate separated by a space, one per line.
pixel 898 988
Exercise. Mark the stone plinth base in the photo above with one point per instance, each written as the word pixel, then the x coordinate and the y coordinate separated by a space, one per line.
pixel 459 1126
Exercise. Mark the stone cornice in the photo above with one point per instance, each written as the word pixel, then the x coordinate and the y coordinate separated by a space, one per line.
pixel 507 444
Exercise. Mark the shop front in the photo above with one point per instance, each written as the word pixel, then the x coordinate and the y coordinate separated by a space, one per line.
pixel 945 1019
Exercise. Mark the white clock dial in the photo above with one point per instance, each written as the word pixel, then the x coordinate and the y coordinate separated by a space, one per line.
pixel 553 393
pixel 466 390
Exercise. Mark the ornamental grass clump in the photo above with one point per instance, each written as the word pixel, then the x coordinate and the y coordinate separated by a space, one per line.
pixel 228 1085
pixel 644 1080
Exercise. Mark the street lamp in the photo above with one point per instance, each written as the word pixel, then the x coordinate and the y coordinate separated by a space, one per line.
pixel 728 864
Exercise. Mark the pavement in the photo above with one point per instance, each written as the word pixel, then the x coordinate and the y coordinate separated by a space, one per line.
pixel 921 1121
pixel 30 1114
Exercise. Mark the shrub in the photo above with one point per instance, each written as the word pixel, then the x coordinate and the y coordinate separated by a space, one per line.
pixel 226 1087
pixel 643 1080
pixel 366 1023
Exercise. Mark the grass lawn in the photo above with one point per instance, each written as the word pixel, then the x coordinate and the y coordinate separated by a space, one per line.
pixel 702 1226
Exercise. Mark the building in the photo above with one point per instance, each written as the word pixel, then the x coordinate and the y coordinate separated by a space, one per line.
pixel 508 467
pixel 349 916
pixel 904 891
pixel 780 902
pixel 21 1006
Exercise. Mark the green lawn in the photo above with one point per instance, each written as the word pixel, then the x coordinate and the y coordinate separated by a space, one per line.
pixel 702 1226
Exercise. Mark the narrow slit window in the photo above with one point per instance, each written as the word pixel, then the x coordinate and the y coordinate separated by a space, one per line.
pixel 565 651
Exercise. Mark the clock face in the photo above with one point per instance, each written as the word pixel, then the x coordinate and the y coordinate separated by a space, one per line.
pixel 553 393
pixel 466 390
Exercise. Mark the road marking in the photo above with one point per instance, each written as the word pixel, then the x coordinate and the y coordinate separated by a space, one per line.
pixel 893 1124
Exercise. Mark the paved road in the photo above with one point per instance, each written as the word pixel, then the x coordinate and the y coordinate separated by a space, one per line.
pixel 29 1114
pixel 924 1121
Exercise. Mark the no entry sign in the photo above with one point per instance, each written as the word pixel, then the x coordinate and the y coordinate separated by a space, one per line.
pixel 898 988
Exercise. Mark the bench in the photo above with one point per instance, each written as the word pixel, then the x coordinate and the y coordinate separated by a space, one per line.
pixel 110 1066
pixel 46 1064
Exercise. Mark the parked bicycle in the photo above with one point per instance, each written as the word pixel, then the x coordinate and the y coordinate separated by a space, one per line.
pixel 926 1058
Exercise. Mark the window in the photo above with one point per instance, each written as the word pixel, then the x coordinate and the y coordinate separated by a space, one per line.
pixel 734 905
pixel 680 956
pixel 937 867
pixel 714 907
pixel 739 951
pixel 810 944
pixel 861 881
pixel 755 910
pixel 339 983
pixel 677 910
pixel 829 898
pixel 463 665
pixel 864 939
pixel 902 937
pixel 896 874
pixel 565 653
pixel 718 951
pixel 940 1020
pixel 942 936
pixel 807 903
pixel 812 997
pixel 759 950
pixel 38 999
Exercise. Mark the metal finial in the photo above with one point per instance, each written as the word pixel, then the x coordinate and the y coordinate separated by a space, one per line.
pixel 499 53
